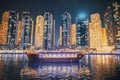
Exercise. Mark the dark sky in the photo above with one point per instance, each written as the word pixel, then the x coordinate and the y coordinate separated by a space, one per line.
pixel 57 7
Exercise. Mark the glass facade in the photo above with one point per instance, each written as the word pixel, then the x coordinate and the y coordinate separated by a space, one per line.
pixel 27 30
pixel 82 32
pixel 95 32
pixel 49 31
pixel 66 24
pixel 112 23
pixel 73 35
pixel 39 32
pixel 12 29
pixel 60 39
pixel 19 32
pixel 4 28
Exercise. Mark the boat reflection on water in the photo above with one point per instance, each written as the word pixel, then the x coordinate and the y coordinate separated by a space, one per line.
pixel 55 71
pixel 90 67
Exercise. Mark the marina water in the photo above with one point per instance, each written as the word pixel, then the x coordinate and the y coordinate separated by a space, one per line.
pixel 90 67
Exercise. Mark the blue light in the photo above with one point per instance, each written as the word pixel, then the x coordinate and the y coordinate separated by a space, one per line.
pixel 82 15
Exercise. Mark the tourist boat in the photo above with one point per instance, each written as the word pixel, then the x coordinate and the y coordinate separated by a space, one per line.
pixel 53 56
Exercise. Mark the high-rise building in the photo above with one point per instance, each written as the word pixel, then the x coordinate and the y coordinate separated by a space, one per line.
pixel 9 28
pixel 3 35
pixel 97 35
pixel 27 31
pixel 95 32
pixel 12 28
pixel 73 35
pixel 60 39
pixel 112 23
pixel 39 32
pixel 66 24
pixel 82 32
pixel 49 31
pixel 19 30
pixel 4 27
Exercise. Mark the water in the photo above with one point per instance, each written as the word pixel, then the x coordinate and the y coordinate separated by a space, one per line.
pixel 90 67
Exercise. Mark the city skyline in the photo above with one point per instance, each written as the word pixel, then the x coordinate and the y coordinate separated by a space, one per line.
pixel 60 39
pixel 39 7
pixel 86 31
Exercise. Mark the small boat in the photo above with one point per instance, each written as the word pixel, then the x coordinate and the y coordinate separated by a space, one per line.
pixel 54 56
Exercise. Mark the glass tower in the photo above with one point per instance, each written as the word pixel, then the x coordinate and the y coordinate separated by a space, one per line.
pixel 112 24
pixel 39 32
pixel 66 24
pixel 82 32
pixel 9 21
pixel 27 30
pixel 49 31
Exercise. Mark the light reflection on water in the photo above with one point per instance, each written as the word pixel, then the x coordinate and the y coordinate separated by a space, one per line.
pixel 56 71
pixel 90 67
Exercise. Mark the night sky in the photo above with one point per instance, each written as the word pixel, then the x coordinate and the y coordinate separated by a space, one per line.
pixel 57 7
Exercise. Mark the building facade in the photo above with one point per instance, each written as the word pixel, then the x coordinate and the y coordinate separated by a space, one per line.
pixel 73 35
pixel 60 39
pixel 4 27
pixel 104 37
pixel 39 32
pixel 95 32
pixel 49 31
pixel 82 32
pixel 12 28
pixel 19 30
pixel 1 35
pixel 27 31
pixel 9 29
pixel 66 24
pixel 112 23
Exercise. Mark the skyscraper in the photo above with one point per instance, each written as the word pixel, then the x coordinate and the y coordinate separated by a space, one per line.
pixel 39 32
pixel 97 35
pixel 4 27
pixel 73 35
pixel 27 31
pixel 82 32
pixel 95 32
pixel 9 28
pixel 112 23
pixel 49 27
pixel 66 24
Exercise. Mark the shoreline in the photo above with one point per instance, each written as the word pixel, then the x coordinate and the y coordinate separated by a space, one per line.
pixel 84 54
pixel 102 54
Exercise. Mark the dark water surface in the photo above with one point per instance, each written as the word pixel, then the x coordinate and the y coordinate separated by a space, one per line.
pixel 90 67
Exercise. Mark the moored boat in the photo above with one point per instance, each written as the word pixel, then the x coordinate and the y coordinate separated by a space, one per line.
pixel 50 56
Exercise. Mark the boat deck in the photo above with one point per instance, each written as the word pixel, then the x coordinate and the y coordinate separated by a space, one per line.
pixel 55 56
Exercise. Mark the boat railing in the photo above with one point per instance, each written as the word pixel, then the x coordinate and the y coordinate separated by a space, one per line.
pixel 58 55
